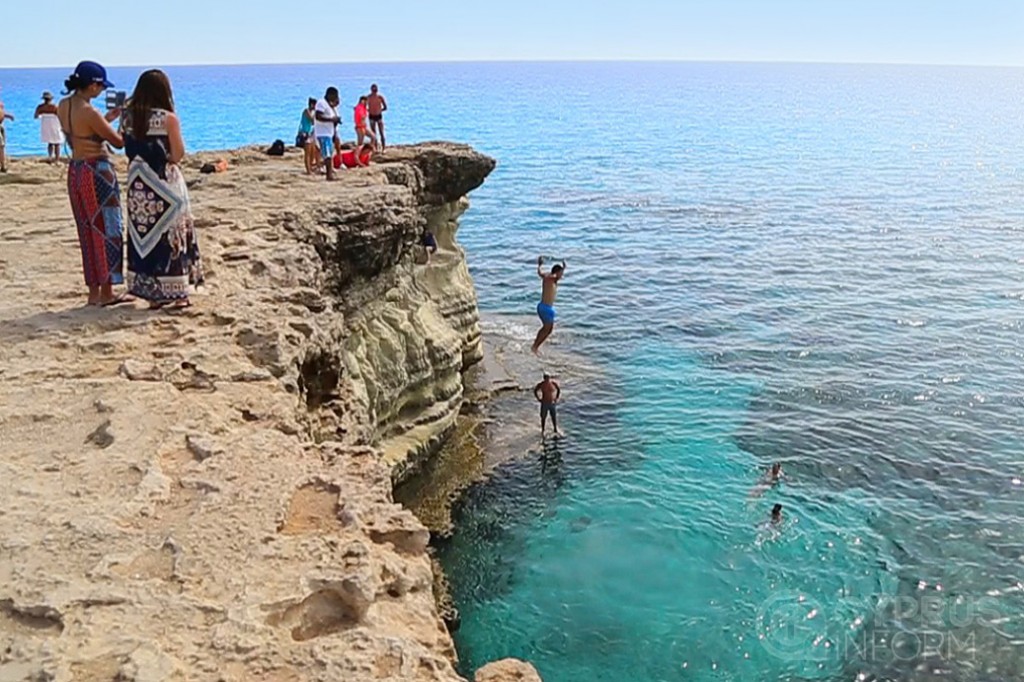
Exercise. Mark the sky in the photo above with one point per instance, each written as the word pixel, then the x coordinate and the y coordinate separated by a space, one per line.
pixel 982 32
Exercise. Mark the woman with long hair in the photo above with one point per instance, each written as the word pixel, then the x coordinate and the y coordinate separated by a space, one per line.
pixel 163 256
pixel 309 144
pixel 92 182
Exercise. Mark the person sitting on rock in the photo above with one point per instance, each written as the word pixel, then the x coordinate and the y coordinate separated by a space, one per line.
pixel 351 159
pixel 429 244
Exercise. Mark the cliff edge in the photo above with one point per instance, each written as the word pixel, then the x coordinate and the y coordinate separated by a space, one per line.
pixel 206 495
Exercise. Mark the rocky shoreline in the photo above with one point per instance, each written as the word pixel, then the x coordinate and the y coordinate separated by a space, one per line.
pixel 207 495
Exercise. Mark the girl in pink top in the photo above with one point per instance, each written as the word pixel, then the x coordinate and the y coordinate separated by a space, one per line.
pixel 362 128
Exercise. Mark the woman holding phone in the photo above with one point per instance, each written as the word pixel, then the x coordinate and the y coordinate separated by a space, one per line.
pixel 163 255
pixel 92 182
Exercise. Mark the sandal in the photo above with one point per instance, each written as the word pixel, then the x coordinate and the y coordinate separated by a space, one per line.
pixel 118 300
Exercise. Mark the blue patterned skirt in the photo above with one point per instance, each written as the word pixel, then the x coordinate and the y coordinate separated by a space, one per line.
pixel 163 254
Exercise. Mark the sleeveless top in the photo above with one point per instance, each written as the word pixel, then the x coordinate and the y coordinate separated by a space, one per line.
pixel 306 123
pixel 153 148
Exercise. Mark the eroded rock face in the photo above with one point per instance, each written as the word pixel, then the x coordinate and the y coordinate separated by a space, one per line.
pixel 207 495
pixel 409 329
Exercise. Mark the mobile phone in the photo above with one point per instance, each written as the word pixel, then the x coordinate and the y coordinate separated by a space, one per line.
pixel 116 99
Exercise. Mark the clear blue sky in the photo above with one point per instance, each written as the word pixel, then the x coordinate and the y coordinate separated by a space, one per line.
pixel 43 33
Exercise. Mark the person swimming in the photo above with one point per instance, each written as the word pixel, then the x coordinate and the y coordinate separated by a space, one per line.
pixel 770 479
pixel 546 307
pixel 777 514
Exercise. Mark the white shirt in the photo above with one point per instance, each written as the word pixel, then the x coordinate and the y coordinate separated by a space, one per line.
pixel 324 128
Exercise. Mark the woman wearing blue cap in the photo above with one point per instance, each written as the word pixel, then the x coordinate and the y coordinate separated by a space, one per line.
pixel 92 182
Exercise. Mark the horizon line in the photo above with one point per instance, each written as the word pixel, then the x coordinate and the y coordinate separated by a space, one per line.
pixel 545 61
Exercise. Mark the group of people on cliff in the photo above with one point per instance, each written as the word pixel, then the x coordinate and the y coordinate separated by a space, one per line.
pixel 320 138
pixel 162 250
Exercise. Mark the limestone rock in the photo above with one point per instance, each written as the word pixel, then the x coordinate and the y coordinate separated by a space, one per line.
pixel 261 431
pixel 507 670
pixel 201 446
pixel 136 370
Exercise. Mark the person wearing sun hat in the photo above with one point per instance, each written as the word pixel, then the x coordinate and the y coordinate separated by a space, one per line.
pixel 92 182
pixel 49 127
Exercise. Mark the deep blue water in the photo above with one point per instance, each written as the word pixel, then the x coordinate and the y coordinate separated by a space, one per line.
pixel 820 265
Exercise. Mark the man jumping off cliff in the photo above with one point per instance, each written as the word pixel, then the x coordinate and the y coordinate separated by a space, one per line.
pixel 546 309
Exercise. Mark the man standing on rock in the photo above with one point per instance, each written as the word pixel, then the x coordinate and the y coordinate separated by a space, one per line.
pixel 377 106
pixel 546 307
pixel 548 393
pixel 326 125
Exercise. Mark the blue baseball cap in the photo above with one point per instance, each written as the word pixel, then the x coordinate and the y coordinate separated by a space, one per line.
pixel 91 72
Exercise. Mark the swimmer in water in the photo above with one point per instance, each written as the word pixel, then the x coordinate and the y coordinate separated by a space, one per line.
pixel 771 478
pixel 777 515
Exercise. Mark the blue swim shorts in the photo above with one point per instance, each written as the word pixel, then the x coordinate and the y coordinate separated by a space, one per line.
pixel 546 313
pixel 326 147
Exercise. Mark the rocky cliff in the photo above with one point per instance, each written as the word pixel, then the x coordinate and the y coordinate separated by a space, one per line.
pixel 206 495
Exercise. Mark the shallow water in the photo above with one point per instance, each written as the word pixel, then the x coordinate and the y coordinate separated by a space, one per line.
pixel 820 265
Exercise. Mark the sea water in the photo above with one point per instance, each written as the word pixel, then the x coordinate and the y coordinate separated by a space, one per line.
pixel 819 265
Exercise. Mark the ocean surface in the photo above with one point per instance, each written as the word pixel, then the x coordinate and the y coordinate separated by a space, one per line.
pixel 819 265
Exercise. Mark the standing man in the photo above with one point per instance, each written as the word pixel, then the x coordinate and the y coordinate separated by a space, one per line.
pixel 546 307
pixel 548 393
pixel 4 116
pixel 49 127
pixel 377 105
pixel 326 125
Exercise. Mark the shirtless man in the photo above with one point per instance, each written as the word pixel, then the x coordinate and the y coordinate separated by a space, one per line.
pixel 4 116
pixel 377 106
pixel 548 393
pixel 546 309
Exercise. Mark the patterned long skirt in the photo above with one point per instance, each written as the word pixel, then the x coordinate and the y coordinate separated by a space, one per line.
pixel 96 204
pixel 163 254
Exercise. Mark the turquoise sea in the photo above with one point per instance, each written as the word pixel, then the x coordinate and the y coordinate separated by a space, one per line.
pixel 821 265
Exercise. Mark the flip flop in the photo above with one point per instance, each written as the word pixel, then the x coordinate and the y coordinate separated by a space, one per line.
pixel 118 300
